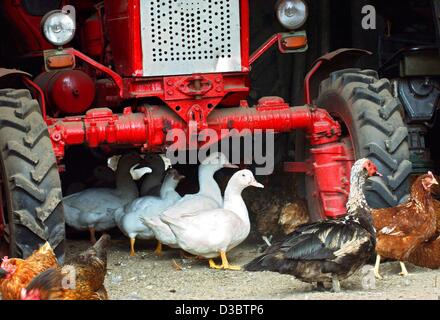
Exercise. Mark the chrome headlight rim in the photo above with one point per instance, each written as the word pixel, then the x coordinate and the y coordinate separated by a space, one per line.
pixel 281 19
pixel 58 18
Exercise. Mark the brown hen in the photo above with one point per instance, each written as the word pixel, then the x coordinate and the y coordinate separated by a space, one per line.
pixel 49 285
pixel 400 230
pixel 83 279
pixel 427 254
pixel 16 274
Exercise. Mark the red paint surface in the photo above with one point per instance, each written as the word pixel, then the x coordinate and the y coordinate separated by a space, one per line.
pixel 331 166
pixel 123 25
pixel 149 127
pixel 264 47
pixel 307 94
pixel 93 36
pixel 71 91
pixel 27 27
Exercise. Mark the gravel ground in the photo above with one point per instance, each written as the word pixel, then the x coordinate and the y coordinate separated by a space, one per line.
pixel 146 276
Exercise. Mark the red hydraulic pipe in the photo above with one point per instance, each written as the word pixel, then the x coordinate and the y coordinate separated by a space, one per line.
pixel 113 75
pixel 278 116
pixel 101 126
pixel 263 48
pixel 307 94
pixel 40 93
pixel 149 127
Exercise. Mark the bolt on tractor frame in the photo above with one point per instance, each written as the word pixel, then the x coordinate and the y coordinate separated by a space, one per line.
pixel 143 68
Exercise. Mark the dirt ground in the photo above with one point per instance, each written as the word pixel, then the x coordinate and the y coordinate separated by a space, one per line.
pixel 146 276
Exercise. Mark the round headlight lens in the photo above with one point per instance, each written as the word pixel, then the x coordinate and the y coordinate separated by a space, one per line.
pixel 292 14
pixel 58 28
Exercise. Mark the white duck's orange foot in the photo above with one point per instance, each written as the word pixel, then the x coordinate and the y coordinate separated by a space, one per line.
pixel 92 235
pixel 231 267
pixel 225 264
pixel 158 251
pixel 132 252
pixel 212 265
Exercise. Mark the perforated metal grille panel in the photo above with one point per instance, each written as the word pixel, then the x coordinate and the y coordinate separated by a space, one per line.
pixel 190 36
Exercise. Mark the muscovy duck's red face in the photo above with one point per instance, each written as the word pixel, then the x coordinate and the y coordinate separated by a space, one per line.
pixel 371 168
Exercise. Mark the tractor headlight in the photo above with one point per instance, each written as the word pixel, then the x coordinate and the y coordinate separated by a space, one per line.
pixel 292 14
pixel 58 27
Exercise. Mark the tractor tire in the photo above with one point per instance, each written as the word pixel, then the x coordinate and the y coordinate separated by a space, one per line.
pixel 30 181
pixel 373 120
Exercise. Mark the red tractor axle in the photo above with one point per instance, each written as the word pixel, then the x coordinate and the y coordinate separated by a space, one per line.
pixel 148 129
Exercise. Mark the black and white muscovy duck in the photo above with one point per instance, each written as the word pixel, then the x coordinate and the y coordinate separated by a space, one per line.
pixel 331 250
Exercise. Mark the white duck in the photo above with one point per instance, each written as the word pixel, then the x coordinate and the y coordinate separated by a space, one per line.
pixel 93 209
pixel 210 233
pixel 208 197
pixel 128 217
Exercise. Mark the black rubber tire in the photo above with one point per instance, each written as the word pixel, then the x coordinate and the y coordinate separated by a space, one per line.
pixel 374 120
pixel 31 181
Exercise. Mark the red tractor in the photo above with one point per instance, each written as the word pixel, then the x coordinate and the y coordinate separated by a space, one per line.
pixel 114 74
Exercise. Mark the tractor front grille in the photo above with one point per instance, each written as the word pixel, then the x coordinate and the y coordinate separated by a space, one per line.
pixel 190 36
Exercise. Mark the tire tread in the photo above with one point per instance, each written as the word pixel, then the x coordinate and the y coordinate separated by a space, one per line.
pixel 382 133
pixel 32 176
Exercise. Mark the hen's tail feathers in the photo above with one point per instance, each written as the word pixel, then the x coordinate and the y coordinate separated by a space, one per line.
pixel 46 248
pixel 102 244
pixel 46 281
pixel 98 250
pixel 102 293
pixel 427 255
